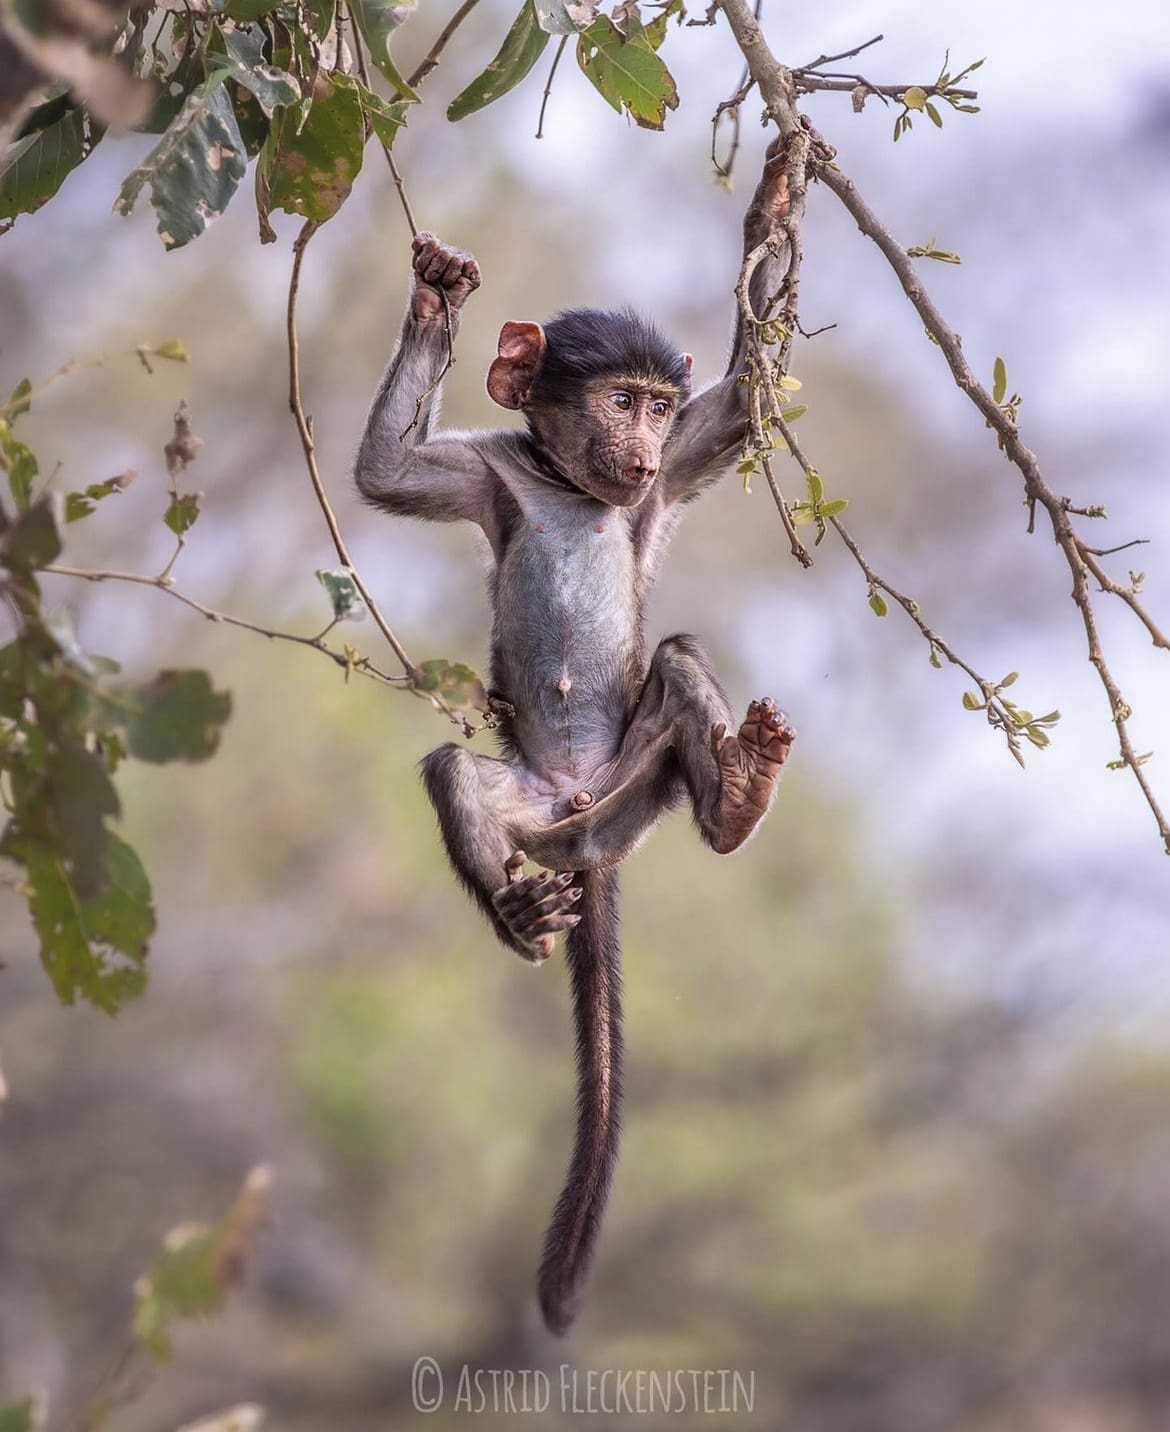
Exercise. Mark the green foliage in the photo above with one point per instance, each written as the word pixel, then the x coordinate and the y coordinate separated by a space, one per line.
pixel 816 510
pixel 65 726
pixel 197 1269
pixel 1013 720
pixel 929 250
pixel 918 100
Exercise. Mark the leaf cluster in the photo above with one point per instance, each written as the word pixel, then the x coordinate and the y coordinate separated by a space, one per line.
pixel 67 722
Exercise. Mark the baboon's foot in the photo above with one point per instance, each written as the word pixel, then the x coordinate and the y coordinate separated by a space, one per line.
pixel 749 763
pixel 534 909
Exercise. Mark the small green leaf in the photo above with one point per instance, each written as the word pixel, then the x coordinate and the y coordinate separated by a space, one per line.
pixel 1009 680
pixel 34 540
pixel 999 388
pixel 348 603
pixel 915 97
pixel 173 349
pixel 457 684
pixel 197 1268
pixel 878 604
pixel 523 45
pixel 834 508
pixel 935 117
pixel 182 513
pixel 20 401
pixel 22 467
pixel 972 702
pixel 81 504
pixel 792 414
pixel 935 660
pixel 816 488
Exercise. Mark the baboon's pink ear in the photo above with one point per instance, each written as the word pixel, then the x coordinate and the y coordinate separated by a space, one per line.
pixel 688 363
pixel 512 374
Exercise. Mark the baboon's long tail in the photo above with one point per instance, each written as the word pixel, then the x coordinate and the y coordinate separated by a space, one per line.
pixel 594 958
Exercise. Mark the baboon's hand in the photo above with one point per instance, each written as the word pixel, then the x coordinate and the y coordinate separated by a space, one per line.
pixel 770 202
pixel 438 270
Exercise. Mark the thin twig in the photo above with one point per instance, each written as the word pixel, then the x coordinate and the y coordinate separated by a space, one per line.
pixel 548 86
pixel 403 198
pixel 305 429
pixel 844 55
pixel 362 665
pixel 432 57
pixel 846 83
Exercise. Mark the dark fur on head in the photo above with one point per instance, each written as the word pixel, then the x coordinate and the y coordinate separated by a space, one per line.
pixel 591 343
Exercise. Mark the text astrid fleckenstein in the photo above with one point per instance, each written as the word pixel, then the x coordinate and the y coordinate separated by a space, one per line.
pixel 605 1391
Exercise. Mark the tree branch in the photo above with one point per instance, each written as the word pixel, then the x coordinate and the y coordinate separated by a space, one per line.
pixel 778 86
pixel 362 665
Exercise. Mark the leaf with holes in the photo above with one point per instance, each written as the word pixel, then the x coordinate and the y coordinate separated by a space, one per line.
pixel 194 169
pixel 627 72
pixel 347 602
pixel 182 513
pixel 456 684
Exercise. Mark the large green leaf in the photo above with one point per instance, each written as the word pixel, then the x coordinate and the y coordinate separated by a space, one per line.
pixel 176 717
pixel 626 70
pixel 377 20
pixel 39 164
pixel 311 173
pixel 194 169
pixel 523 46
pixel 95 948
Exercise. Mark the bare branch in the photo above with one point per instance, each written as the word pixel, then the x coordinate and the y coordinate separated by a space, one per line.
pixel 432 57
pixel 548 86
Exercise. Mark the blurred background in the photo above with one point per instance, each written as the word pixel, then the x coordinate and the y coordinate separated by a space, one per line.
pixel 897 1137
